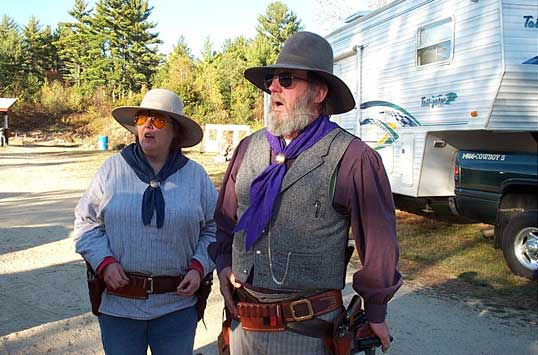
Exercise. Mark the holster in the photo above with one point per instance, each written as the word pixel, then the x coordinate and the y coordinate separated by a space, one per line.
pixel 343 343
pixel 202 294
pixel 223 340
pixel 96 286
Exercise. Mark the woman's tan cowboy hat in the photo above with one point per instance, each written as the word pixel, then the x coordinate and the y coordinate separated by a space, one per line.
pixel 311 52
pixel 165 102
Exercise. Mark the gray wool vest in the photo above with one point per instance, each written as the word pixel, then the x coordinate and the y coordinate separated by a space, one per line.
pixel 303 246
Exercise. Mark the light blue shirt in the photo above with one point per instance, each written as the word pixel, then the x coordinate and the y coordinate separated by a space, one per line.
pixel 108 222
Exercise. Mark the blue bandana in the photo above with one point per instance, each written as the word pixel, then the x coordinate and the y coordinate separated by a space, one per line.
pixel 153 199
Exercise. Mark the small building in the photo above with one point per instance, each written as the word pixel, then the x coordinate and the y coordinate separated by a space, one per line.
pixel 223 138
pixel 5 105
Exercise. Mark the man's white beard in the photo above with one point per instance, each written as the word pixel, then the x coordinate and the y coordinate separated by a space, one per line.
pixel 301 114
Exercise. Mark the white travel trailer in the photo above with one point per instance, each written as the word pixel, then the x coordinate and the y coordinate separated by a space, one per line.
pixel 434 76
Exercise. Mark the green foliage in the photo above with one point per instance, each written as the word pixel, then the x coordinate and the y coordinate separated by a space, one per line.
pixel 107 56
pixel 177 74
pixel 11 72
pixel 56 98
pixel 211 104
pixel 130 49
pixel 78 48
pixel 276 26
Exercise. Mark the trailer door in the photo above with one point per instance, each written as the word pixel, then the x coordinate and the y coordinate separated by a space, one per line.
pixel 404 150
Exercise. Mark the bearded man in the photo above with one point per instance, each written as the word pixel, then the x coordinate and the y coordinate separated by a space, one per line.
pixel 289 197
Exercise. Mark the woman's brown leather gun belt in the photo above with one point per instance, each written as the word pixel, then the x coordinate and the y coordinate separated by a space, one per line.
pixel 270 317
pixel 142 285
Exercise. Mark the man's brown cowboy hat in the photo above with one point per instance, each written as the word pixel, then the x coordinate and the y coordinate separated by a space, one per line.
pixel 311 52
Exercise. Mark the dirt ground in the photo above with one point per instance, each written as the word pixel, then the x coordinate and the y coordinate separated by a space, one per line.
pixel 43 298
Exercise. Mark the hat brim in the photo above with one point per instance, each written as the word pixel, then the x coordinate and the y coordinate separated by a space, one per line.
pixel 191 132
pixel 340 98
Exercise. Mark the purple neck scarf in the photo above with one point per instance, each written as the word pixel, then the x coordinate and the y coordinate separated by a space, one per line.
pixel 266 187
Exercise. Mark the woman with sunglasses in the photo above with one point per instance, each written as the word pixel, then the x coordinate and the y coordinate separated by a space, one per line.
pixel 144 225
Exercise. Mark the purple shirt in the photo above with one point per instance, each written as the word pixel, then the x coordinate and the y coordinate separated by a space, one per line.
pixel 363 193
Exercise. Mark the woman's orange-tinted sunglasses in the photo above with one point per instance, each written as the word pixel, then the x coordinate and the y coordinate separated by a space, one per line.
pixel 158 120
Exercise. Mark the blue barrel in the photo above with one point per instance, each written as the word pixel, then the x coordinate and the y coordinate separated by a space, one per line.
pixel 102 143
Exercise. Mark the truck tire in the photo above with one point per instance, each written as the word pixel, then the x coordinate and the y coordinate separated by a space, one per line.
pixel 520 244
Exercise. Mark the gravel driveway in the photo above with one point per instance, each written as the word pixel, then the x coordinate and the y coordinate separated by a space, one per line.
pixel 43 301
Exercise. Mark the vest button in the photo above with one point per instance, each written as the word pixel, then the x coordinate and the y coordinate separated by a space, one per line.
pixel 245 271
pixel 259 252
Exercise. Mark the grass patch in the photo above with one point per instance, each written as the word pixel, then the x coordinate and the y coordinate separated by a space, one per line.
pixel 214 170
pixel 455 258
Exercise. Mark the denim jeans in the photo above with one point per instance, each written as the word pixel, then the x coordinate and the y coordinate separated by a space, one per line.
pixel 172 333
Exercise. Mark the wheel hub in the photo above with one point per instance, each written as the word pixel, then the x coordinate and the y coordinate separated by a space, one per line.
pixel 526 247
pixel 532 249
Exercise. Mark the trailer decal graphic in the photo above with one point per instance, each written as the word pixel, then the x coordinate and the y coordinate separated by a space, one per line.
pixel 533 60
pixel 529 23
pixel 383 119
pixel 438 100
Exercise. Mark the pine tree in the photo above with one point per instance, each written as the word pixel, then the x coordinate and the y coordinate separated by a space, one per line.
pixel 74 47
pixel 37 51
pixel 11 71
pixel 276 26
pixel 129 47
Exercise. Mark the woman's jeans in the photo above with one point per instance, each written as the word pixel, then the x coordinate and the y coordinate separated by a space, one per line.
pixel 172 333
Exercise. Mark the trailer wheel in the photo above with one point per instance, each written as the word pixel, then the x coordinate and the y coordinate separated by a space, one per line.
pixel 520 244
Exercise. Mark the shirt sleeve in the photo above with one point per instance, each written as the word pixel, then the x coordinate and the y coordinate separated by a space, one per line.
pixel 208 226
pixel 363 192
pixel 107 261
pixel 89 232
pixel 226 210
pixel 195 265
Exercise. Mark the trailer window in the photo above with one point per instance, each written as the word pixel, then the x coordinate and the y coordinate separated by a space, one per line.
pixel 434 42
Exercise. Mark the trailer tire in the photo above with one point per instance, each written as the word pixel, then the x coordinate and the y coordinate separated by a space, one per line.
pixel 520 244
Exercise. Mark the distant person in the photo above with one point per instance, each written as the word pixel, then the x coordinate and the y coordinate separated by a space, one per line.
pixel 288 199
pixel 4 136
pixel 228 149
pixel 144 225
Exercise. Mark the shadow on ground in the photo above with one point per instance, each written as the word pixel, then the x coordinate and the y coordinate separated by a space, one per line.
pixel 42 295
pixel 46 216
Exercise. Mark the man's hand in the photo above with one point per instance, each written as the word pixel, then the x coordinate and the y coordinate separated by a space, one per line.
pixel 190 283
pixel 227 284
pixel 381 330
pixel 114 276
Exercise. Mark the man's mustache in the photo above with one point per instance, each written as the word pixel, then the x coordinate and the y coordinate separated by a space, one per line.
pixel 277 97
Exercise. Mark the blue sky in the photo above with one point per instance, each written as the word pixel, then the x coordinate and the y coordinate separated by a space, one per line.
pixel 195 20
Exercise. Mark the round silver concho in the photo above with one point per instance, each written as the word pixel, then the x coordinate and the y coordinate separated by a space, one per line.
pixel 280 158
pixel 154 184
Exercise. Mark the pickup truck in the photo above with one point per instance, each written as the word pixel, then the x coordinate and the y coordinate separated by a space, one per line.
pixel 501 189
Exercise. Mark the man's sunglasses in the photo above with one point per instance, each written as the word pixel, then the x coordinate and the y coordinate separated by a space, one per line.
pixel 157 119
pixel 284 79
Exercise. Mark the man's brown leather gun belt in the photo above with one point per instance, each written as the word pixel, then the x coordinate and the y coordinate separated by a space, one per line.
pixel 270 317
pixel 142 285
